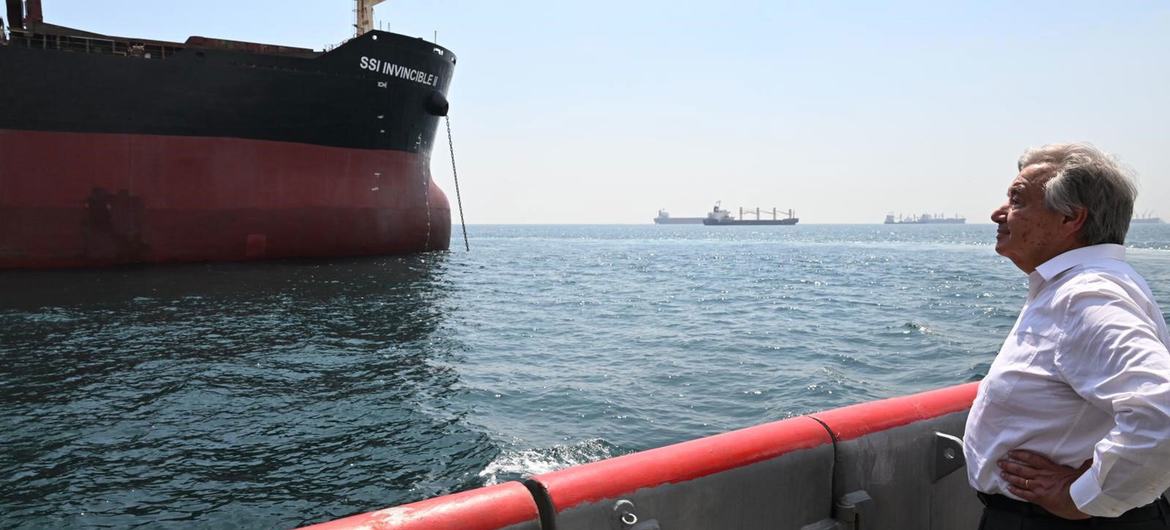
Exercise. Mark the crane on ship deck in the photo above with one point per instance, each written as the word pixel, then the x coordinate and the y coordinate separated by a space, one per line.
pixel 364 16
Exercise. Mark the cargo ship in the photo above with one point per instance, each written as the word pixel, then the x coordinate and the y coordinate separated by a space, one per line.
pixel 1146 218
pixel 120 150
pixel 925 219
pixel 664 218
pixel 721 217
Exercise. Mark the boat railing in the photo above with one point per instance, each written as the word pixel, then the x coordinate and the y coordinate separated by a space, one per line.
pixel 892 464
pixel 96 45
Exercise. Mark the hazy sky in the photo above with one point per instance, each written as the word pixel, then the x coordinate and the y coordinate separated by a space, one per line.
pixel 606 111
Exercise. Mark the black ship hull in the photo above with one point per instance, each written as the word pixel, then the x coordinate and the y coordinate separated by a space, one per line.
pixel 346 97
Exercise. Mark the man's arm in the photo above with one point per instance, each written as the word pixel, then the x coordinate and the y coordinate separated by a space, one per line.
pixel 1110 353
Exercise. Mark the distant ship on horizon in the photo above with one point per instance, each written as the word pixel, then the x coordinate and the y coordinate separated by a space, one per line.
pixel 925 219
pixel 664 218
pixel 721 217
pixel 1146 218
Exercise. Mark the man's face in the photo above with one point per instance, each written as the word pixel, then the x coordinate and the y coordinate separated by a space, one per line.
pixel 1029 233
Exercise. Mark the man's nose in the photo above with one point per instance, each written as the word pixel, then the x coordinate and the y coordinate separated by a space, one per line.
pixel 999 215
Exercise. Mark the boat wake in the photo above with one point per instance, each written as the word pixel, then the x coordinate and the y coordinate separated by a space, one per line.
pixel 515 464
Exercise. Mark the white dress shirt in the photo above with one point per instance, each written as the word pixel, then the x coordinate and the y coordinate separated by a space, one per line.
pixel 1084 373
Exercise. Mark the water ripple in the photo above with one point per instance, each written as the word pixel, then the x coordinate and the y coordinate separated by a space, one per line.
pixel 269 395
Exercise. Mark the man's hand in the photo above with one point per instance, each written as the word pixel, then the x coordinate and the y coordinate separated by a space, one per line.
pixel 1040 481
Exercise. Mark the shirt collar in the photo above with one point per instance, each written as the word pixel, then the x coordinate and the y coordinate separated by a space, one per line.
pixel 1078 256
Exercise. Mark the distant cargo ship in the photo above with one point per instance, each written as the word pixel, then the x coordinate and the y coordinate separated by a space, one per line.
pixel 721 217
pixel 117 150
pixel 1145 219
pixel 925 219
pixel 664 218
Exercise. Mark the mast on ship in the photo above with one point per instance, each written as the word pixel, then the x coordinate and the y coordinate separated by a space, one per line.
pixel 364 13
pixel 23 15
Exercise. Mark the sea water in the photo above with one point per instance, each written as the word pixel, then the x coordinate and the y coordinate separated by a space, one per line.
pixel 276 394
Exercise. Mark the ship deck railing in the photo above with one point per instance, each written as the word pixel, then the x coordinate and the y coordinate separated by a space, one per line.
pixel 95 45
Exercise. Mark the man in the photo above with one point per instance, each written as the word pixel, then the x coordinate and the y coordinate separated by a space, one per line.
pixel 1071 426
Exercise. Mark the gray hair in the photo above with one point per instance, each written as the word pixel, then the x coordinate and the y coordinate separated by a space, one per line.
pixel 1083 176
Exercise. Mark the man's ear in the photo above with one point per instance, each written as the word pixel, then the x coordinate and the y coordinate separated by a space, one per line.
pixel 1073 223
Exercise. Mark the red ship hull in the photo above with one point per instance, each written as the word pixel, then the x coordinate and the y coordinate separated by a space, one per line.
pixel 93 199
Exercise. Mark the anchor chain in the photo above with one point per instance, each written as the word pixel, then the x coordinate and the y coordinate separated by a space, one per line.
pixel 458 199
